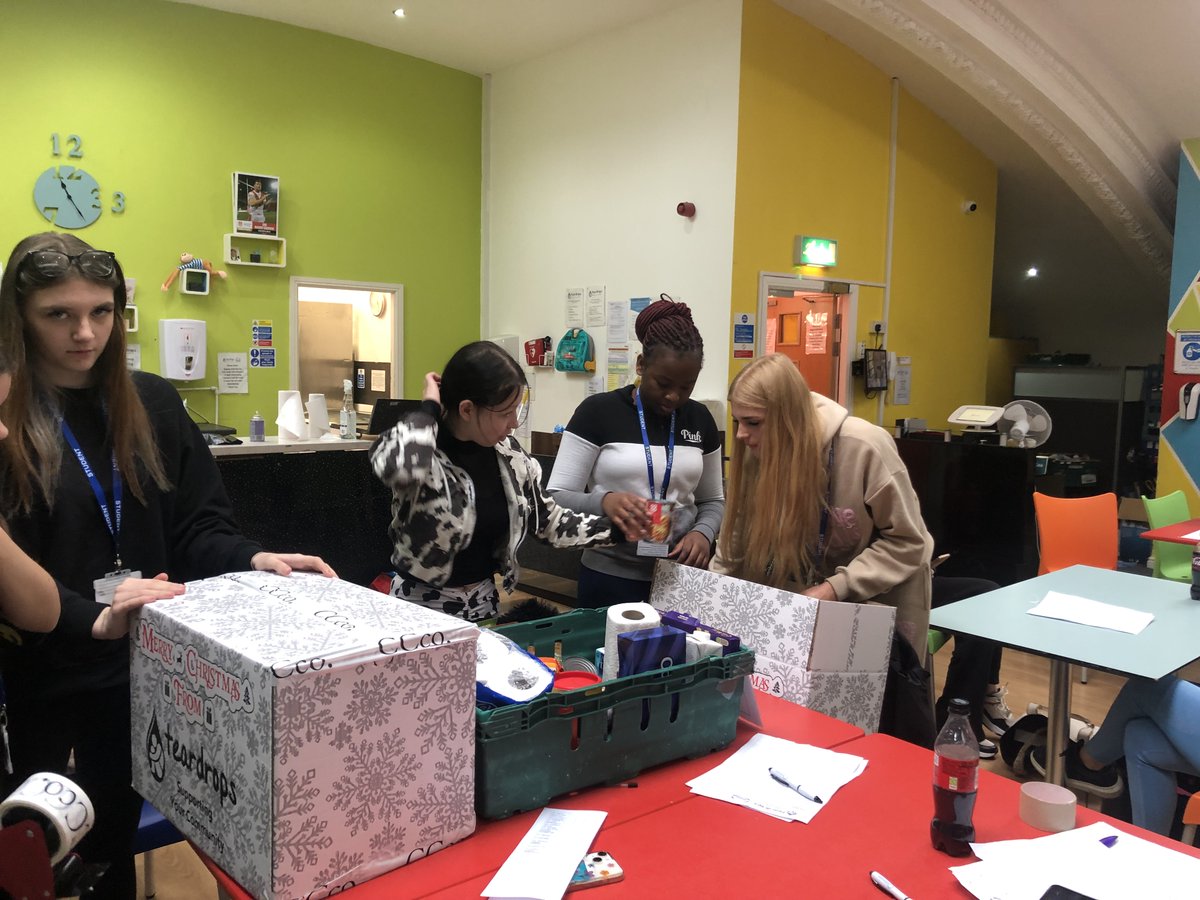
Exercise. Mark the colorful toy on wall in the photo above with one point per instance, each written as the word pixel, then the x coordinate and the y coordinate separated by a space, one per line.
pixel 196 274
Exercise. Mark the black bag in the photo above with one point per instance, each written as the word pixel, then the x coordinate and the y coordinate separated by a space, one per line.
pixel 907 697
pixel 1023 735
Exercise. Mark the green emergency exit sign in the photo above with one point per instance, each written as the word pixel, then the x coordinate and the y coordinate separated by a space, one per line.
pixel 814 251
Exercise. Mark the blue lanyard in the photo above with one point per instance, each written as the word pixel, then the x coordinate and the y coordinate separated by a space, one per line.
pixel 637 399
pixel 113 519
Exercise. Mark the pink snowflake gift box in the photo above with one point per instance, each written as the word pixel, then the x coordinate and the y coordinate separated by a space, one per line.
pixel 304 732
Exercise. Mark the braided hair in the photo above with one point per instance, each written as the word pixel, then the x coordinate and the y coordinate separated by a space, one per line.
pixel 668 325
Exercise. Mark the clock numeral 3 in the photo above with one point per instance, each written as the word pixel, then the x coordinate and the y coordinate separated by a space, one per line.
pixel 118 202
pixel 74 141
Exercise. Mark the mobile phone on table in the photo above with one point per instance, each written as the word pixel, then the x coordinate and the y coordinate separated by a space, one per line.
pixel 1058 892
pixel 594 870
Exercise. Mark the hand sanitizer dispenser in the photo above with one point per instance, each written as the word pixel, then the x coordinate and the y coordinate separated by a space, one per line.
pixel 182 348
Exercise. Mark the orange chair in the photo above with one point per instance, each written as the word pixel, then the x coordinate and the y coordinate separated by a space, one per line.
pixel 1076 531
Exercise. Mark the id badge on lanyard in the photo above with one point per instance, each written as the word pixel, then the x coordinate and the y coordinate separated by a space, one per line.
pixel 105 588
pixel 659 544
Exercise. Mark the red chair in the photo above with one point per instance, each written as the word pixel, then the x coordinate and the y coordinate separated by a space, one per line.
pixel 1076 531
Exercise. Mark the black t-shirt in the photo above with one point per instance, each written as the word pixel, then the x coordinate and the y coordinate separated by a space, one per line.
pixel 481 558
pixel 187 531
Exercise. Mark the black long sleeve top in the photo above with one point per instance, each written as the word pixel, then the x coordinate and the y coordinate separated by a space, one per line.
pixel 187 531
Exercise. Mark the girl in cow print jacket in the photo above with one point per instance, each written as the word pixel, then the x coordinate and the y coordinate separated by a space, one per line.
pixel 464 492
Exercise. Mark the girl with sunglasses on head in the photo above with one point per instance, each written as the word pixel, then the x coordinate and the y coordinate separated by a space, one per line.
pixel 464 493
pixel 108 485
pixel 645 442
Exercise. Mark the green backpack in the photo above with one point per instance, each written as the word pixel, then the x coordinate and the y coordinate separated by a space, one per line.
pixel 574 352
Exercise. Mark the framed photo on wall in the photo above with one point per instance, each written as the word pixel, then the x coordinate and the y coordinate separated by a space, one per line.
pixel 255 203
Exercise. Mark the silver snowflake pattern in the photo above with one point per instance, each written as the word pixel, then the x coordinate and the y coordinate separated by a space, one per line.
pixel 377 772
pixel 342 735
pixel 304 713
pixel 388 839
pixel 371 702
pixel 298 836
pixel 340 865
pixel 417 679
pixel 437 726
pixel 447 803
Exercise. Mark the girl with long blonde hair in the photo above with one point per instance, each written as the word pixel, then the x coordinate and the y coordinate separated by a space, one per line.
pixel 819 501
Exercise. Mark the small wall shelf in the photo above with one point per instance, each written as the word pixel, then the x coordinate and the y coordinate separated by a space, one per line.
pixel 273 250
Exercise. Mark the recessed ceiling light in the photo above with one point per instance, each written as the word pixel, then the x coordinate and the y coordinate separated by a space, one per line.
pixel 1031 272
pixel 398 13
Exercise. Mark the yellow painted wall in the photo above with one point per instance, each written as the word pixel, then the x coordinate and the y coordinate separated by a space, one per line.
pixel 813 135
pixel 378 154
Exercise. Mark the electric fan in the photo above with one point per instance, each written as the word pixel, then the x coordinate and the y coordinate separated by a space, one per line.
pixel 1024 424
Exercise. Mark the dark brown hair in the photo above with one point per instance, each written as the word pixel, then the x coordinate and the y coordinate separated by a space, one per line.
pixel 667 325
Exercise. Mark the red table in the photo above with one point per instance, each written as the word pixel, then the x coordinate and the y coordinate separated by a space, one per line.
pixel 1173 534
pixel 658 789
pixel 703 848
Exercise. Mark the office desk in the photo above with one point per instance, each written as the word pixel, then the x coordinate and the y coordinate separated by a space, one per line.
pixel 1171 641
pixel 704 848
pixel 1174 534
pixel 658 788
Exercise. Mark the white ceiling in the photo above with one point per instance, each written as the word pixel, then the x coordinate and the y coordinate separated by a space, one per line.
pixel 1080 103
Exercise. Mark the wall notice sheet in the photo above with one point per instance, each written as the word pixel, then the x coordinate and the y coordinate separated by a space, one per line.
pixel 233 373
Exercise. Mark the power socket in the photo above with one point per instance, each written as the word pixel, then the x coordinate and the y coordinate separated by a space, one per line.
pixel 878 328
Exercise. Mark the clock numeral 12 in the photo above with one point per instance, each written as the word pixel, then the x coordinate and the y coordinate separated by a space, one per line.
pixel 73 140
pixel 118 202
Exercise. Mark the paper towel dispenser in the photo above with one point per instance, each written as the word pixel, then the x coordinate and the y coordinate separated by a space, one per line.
pixel 182 347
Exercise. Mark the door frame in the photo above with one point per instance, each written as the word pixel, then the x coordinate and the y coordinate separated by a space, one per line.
pixel 847 309
pixel 396 388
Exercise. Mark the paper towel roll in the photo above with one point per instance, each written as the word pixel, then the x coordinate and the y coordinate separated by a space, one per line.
pixel 623 617
pixel 318 417
pixel 57 804
pixel 291 417
pixel 1048 807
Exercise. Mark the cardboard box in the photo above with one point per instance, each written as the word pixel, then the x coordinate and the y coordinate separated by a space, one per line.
pixel 305 733
pixel 825 655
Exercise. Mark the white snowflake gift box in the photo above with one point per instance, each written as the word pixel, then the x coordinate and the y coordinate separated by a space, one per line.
pixel 305 733
pixel 827 656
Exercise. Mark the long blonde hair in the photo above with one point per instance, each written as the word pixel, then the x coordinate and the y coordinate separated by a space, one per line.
pixel 31 457
pixel 774 501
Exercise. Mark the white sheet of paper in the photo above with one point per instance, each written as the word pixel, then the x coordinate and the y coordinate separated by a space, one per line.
pixel 541 866
pixel 618 322
pixel 745 779
pixel 233 373
pixel 574 307
pixel 1083 611
pixel 1076 859
pixel 595 306
pixel 1193 535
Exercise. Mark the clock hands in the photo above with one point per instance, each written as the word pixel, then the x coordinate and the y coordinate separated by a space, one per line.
pixel 63 185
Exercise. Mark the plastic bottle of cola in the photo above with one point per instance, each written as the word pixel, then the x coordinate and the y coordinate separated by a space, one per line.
pixel 955 779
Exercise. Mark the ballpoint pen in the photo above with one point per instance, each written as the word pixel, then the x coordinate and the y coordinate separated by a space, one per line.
pixel 795 787
pixel 884 885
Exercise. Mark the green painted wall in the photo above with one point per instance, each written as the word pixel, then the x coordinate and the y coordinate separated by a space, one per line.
pixel 378 155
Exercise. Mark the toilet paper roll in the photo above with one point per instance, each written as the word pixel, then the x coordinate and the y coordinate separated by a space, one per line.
pixel 1048 807
pixel 291 417
pixel 318 417
pixel 57 805
pixel 623 617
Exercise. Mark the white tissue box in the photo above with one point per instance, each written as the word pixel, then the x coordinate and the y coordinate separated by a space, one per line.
pixel 304 732
pixel 825 655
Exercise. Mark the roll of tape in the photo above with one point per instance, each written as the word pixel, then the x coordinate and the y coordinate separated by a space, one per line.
pixel 57 805
pixel 1048 807
pixel 623 617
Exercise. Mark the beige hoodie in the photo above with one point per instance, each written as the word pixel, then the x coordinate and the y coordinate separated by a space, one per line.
pixel 878 548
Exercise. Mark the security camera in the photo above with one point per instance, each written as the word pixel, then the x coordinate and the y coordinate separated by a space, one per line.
pixel 969 206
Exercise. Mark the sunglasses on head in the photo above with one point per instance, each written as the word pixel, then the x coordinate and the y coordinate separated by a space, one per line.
pixel 51 264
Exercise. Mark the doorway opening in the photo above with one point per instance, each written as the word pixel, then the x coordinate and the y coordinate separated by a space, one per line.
pixel 347 330
pixel 810 322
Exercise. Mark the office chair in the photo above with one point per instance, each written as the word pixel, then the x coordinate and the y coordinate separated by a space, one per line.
pixel 1171 560
pixel 154 831
pixel 1076 531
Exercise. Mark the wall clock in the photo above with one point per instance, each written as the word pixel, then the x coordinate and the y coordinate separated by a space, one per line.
pixel 66 195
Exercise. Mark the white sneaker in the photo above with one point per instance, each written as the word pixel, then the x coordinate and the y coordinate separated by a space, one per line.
pixel 997 717
pixel 987 749
pixel 1080 729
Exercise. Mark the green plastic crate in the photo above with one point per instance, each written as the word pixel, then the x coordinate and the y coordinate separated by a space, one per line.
pixel 528 753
